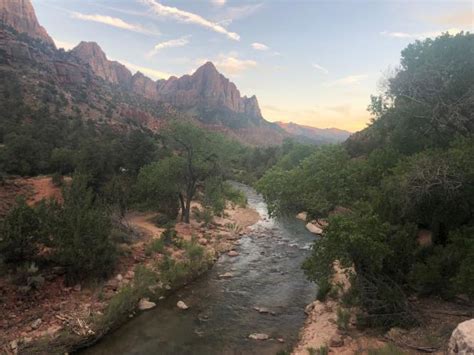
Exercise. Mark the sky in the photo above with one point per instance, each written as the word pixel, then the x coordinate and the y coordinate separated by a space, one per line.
pixel 310 62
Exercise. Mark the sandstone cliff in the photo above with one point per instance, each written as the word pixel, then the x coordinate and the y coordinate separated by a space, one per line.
pixel 20 15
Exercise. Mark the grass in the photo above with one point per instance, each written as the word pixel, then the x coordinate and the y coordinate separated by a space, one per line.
pixel 156 246
pixel 343 317
pixel 388 349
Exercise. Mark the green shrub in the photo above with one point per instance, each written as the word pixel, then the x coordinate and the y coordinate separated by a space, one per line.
pixel 20 233
pixel 57 179
pixel 204 216
pixel 156 246
pixel 162 220
pixel 388 349
pixel 169 236
pixel 343 317
pixel 324 287
pixel 82 234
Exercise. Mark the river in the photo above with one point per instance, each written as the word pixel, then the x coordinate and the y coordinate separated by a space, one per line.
pixel 267 274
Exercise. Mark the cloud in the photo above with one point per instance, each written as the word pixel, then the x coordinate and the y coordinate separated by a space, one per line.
pixel 420 35
pixel 230 64
pixel 179 42
pixel 188 17
pixel 260 46
pixel 111 21
pixel 320 68
pixel 463 18
pixel 152 73
pixel 348 80
pixel 235 13
pixel 218 2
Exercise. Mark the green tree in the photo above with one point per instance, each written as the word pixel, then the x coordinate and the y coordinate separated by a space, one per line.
pixel 81 236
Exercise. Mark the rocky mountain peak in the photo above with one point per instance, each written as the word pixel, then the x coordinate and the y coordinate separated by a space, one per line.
pixel 91 53
pixel 20 15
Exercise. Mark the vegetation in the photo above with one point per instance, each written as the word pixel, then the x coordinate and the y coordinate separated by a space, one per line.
pixel 410 171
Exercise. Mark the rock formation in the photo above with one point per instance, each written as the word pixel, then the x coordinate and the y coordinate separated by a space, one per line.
pixel 207 87
pixel 113 72
pixel 20 15
pixel 462 339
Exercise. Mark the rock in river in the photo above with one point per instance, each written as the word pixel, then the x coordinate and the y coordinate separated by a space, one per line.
pixel 182 305
pixel 313 228
pixel 233 253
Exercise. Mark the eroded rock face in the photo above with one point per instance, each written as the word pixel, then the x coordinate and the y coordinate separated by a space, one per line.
pixel 207 87
pixel 462 339
pixel 114 72
pixel 20 15
pixel 144 86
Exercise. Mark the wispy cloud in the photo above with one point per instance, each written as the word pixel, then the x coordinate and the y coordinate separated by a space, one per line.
pixel 230 64
pixel 178 42
pixel 348 80
pixel 218 2
pixel 152 73
pixel 260 46
pixel 188 17
pixel 234 13
pixel 419 35
pixel 111 21
pixel 320 68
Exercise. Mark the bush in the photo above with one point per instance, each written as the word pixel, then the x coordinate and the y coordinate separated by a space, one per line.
pixel 162 220
pixel 343 317
pixel 156 246
pixel 204 216
pixel 20 233
pixel 169 235
pixel 82 234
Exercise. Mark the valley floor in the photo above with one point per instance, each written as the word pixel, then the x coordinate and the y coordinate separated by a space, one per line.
pixel 65 316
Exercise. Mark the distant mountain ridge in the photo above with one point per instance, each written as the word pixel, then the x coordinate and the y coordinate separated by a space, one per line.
pixel 206 95
pixel 321 135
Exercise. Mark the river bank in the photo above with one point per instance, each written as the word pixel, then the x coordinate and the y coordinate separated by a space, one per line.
pixel 60 319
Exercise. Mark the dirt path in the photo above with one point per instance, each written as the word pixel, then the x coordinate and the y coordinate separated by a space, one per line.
pixel 142 221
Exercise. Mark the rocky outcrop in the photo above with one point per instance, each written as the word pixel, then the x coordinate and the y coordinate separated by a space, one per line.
pixel 462 339
pixel 113 72
pixel 20 15
pixel 144 86
pixel 207 87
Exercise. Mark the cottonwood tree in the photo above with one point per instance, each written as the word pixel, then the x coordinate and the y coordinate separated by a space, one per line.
pixel 195 156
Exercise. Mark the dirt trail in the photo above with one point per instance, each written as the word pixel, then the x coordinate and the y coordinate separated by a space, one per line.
pixel 143 222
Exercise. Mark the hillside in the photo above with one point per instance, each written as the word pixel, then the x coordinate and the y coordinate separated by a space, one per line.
pixel 84 82
pixel 318 135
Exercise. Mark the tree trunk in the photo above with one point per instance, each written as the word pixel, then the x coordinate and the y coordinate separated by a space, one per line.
pixel 187 209
pixel 183 207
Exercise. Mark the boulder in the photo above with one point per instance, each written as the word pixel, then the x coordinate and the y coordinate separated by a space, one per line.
pixel 145 304
pixel 336 341
pixel 36 324
pixel 182 305
pixel 462 339
pixel 302 216
pixel 233 253
pixel 259 336
pixel 313 228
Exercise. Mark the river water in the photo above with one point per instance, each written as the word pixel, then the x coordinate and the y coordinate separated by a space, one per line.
pixel 267 274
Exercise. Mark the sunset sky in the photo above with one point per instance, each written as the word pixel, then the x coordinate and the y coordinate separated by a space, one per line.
pixel 310 62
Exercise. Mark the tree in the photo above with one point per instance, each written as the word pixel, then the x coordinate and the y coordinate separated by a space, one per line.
pixel 196 158
pixel 81 235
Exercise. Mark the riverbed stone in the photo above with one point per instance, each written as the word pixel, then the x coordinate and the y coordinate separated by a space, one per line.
pixel 145 304
pixel 462 339
pixel 233 253
pixel 313 228
pixel 302 216
pixel 259 336
pixel 226 275
pixel 182 305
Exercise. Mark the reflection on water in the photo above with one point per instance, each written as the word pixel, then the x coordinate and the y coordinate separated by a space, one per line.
pixel 267 274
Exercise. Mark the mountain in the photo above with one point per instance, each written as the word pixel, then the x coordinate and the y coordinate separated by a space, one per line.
pixel 20 15
pixel 318 135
